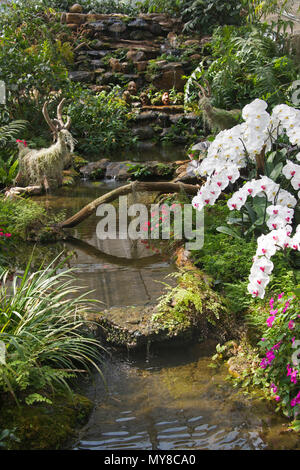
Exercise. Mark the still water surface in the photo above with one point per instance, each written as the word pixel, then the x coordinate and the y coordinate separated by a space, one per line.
pixel 167 398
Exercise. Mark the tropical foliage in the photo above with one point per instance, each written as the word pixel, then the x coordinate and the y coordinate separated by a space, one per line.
pixel 243 64
pixel 45 340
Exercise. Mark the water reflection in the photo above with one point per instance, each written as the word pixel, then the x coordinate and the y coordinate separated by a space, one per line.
pixel 175 401
pixel 119 272
pixel 170 399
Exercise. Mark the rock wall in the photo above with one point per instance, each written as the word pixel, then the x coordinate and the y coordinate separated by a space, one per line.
pixel 143 53
pixel 120 47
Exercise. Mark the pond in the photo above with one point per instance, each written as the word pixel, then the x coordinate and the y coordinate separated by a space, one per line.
pixel 171 399
pixel 167 397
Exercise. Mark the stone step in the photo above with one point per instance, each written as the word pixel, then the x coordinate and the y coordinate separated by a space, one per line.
pixel 168 109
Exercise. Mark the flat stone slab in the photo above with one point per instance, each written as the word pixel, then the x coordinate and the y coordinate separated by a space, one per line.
pixel 171 109
pixel 131 326
pixel 81 76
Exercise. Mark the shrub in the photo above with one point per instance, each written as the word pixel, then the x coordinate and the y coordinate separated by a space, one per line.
pixel 203 15
pixel 245 63
pixel 45 336
pixel 278 371
pixel 99 122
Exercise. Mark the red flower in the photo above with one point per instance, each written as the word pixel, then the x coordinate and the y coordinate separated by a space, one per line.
pixel 22 142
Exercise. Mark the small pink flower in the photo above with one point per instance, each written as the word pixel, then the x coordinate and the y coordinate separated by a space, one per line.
pixel 274 388
pixel 270 321
pixel 291 324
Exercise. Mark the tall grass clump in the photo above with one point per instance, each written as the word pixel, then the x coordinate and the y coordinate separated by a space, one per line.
pixel 45 339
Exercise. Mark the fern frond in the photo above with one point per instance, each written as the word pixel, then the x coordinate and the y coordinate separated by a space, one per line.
pixel 11 130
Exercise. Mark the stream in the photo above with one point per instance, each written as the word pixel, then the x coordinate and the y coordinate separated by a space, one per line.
pixel 168 397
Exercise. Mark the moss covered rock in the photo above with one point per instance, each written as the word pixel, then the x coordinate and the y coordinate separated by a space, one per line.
pixel 43 426
pixel 189 310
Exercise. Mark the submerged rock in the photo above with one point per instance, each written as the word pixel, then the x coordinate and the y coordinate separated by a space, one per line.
pixel 188 311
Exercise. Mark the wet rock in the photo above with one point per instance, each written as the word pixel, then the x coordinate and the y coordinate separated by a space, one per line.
pixel 141 66
pixel 95 170
pixel 96 63
pixel 165 132
pixel 99 71
pixel 171 66
pixel 145 116
pixel 195 57
pixel 155 29
pixel 139 35
pixel 98 45
pixel 100 88
pixel 98 26
pixel 96 53
pixel 72 26
pixel 191 117
pixel 117 28
pixel 170 79
pixel 205 316
pixel 107 78
pixel 76 8
pixel 118 170
pixel 138 23
pixel 81 76
pixel 163 119
pixel 143 133
pixel 175 118
pixel 75 18
pixel 115 65
pixel 135 56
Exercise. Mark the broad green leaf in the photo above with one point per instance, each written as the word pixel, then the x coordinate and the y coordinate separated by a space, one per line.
pixel 228 231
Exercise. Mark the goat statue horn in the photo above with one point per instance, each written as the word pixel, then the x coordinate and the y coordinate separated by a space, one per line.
pixel 201 88
pixel 47 118
pixel 208 94
pixel 59 116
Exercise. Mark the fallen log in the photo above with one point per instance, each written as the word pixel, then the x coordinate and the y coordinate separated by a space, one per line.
pixel 136 186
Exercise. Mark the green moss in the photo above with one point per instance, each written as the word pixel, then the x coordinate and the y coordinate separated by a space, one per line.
pixel 97 174
pixel 43 426
pixel 191 303
pixel 78 162
pixel 68 181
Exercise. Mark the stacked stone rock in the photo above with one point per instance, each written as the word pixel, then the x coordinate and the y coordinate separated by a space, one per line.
pixel 141 39
pixel 144 38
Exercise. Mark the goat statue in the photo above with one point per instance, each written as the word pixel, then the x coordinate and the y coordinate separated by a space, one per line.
pixel 217 119
pixel 44 167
